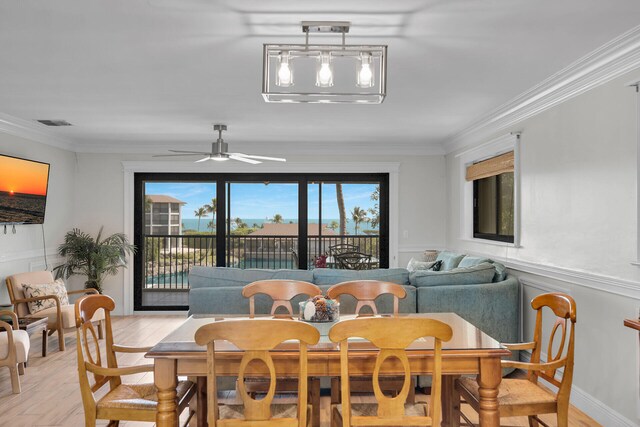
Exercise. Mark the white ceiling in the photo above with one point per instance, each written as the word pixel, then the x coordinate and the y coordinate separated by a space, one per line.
pixel 144 76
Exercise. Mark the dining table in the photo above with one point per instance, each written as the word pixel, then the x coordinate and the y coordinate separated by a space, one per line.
pixel 469 352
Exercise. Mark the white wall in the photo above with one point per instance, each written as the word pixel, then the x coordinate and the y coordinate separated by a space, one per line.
pixel 23 251
pixel 579 221
pixel 100 201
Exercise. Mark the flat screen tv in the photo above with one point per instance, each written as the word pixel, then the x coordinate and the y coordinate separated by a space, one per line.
pixel 23 190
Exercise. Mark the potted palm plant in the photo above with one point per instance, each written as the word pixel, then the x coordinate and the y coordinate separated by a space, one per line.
pixel 95 258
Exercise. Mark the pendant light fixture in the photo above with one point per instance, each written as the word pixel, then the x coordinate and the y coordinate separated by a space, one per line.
pixel 324 73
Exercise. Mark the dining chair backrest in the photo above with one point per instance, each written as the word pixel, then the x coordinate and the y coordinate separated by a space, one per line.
pixel 280 291
pixel 391 336
pixel 90 358
pixel 366 291
pixel 353 261
pixel 564 308
pixel 257 337
pixel 339 248
pixel 14 287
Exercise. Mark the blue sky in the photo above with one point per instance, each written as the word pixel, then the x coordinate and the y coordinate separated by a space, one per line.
pixel 258 201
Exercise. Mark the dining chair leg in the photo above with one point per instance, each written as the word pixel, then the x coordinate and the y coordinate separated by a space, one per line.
pixel 21 368
pixel 60 338
pixel 314 399
pixel 335 390
pixel 533 422
pixel 450 401
pixel 15 379
pixel 201 402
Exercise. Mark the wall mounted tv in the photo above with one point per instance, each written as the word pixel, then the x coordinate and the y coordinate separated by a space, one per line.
pixel 23 190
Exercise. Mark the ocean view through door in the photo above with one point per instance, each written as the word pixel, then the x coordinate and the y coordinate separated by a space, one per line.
pixel 267 221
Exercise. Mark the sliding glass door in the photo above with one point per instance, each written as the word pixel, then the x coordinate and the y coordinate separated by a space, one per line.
pixel 268 221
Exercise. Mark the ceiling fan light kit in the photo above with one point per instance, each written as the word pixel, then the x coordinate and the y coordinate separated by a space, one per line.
pixel 220 152
pixel 324 73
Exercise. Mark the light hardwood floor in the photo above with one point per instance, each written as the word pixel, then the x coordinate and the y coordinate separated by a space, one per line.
pixel 51 395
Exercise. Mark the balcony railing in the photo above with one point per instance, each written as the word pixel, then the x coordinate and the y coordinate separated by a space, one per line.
pixel 168 258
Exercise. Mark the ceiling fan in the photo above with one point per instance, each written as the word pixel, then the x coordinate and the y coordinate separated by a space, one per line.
pixel 219 152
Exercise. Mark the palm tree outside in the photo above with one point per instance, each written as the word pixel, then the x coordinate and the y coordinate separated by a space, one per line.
pixel 200 212
pixel 333 225
pixel 341 209
pixel 358 216
pixel 277 219
pixel 212 208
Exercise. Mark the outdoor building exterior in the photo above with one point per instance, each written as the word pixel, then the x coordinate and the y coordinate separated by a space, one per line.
pixel 162 215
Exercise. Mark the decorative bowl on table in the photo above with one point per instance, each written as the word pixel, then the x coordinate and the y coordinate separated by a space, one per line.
pixel 320 309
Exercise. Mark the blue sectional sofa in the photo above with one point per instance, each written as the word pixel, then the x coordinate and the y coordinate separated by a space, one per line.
pixel 479 291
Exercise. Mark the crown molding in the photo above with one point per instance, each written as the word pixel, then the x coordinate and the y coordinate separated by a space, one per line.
pixel 604 64
pixel 282 148
pixel 33 131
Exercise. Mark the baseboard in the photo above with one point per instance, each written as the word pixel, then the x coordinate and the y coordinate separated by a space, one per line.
pixel 587 403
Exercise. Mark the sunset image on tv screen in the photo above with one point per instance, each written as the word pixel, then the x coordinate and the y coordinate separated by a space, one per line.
pixel 23 190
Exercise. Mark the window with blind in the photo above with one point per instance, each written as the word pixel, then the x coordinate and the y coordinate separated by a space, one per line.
pixel 493 198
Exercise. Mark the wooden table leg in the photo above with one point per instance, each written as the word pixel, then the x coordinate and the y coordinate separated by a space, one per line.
pixel 450 402
pixel 45 342
pixel 166 382
pixel 488 382
pixel 314 399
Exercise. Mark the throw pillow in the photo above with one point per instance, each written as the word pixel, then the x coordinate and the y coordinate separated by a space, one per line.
pixel 56 288
pixel 414 265
pixel 450 260
pixel 470 261
pixel 501 272
pixel 436 266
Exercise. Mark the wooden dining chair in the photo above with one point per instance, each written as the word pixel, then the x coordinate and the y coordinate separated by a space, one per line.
pixel 365 293
pixel 257 337
pixel 282 292
pixel 525 397
pixel 131 402
pixel 392 335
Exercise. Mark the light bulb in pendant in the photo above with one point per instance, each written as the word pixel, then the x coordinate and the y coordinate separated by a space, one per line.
pixel 365 74
pixel 284 77
pixel 324 76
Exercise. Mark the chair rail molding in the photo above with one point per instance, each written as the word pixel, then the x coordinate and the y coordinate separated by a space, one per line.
pixel 602 283
pixel 602 65
pixel 131 167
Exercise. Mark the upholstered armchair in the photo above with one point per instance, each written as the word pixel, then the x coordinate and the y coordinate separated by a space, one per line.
pixel 14 348
pixel 61 317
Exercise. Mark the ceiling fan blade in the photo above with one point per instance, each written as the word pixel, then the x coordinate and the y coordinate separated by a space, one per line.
pixel 175 155
pixel 203 160
pixel 243 159
pixel 189 152
pixel 250 156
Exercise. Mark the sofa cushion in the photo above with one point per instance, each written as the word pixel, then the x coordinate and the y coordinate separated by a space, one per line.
pixel 450 260
pixel 207 277
pixel 470 261
pixel 501 272
pixel 328 276
pixel 414 265
pixel 21 343
pixel 481 273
